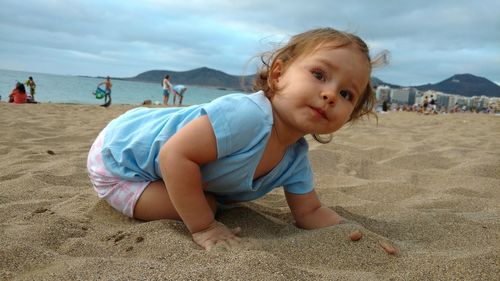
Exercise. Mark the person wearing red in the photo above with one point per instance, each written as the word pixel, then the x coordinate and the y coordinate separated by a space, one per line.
pixel 18 95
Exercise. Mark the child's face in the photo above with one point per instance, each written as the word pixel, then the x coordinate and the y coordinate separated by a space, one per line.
pixel 318 92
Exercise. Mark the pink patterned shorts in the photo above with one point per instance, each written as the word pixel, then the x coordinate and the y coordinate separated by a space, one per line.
pixel 120 194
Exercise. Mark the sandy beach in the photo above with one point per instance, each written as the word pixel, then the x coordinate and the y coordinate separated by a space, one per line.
pixel 428 185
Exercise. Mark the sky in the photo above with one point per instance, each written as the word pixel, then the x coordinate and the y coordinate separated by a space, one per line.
pixel 428 40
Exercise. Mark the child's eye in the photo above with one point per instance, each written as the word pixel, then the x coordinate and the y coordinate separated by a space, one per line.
pixel 346 94
pixel 318 74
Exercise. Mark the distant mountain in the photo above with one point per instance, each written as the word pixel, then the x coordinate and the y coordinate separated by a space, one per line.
pixel 203 76
pixel 465 85
pixel 377 82
pixel 461 84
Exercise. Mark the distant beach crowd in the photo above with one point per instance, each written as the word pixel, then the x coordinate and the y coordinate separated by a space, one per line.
pixel 19 95
pixel 426 104
pixel 429 106
pixel 26 92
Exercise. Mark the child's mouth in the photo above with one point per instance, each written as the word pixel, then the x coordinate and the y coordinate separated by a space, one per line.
pixel 320 112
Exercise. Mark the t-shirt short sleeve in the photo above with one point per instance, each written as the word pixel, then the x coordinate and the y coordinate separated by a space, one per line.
pixel 300 177
pixel 238 121
pixel 300 184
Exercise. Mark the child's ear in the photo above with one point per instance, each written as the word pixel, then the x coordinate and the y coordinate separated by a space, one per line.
pixel 276 71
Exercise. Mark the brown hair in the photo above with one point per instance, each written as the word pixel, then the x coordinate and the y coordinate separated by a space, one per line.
pixel 306 43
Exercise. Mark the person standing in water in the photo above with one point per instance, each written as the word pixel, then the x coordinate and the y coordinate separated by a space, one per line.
pixel 32 85
pixel 107 88
pixel 179 90
pixel 167 88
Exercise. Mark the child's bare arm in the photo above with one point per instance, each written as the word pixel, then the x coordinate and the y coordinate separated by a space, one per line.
pixel 308 212
pixel 180 159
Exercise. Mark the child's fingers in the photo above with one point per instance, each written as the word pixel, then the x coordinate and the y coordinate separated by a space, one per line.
pixel 219 237
pixel 223 244
pixel 233 242
pixel 227 243
pixel 208 245
pixel 355 235
pixel 390 249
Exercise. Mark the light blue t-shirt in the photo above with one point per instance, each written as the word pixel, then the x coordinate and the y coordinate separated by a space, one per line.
pixel 242 125
pixel 178 88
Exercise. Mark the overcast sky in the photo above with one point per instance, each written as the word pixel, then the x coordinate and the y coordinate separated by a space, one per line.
pixel 429 41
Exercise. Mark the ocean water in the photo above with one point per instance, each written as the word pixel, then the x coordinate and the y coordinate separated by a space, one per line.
pixel 76 89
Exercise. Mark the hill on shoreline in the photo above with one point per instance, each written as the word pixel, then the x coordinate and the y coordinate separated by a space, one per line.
pixel 467 85
pixel 203 76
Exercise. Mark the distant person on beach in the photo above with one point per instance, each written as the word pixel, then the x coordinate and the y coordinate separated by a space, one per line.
pixel 432 104
pixel 18 94
pixel 167 88
pixel 425 104
pixel 185 163
pixel 32 86
pixel 107 88
pixel 179 90
pixel 384 106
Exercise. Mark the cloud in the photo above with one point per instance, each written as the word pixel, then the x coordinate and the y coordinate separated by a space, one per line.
pixel 429 40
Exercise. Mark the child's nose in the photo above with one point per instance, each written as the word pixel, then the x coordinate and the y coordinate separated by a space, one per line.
pixel 329 96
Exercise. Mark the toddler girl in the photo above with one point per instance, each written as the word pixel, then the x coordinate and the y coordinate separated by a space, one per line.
pixel 181 163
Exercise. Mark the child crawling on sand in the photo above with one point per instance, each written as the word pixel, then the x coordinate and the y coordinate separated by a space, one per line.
pixel 182 163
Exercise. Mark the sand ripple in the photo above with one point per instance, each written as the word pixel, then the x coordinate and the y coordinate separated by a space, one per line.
pixel 428 185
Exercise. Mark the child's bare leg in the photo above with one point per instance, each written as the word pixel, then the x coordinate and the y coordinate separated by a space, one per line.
pixel 155 204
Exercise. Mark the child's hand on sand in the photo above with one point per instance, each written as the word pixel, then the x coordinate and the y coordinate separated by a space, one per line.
pixel 217 234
